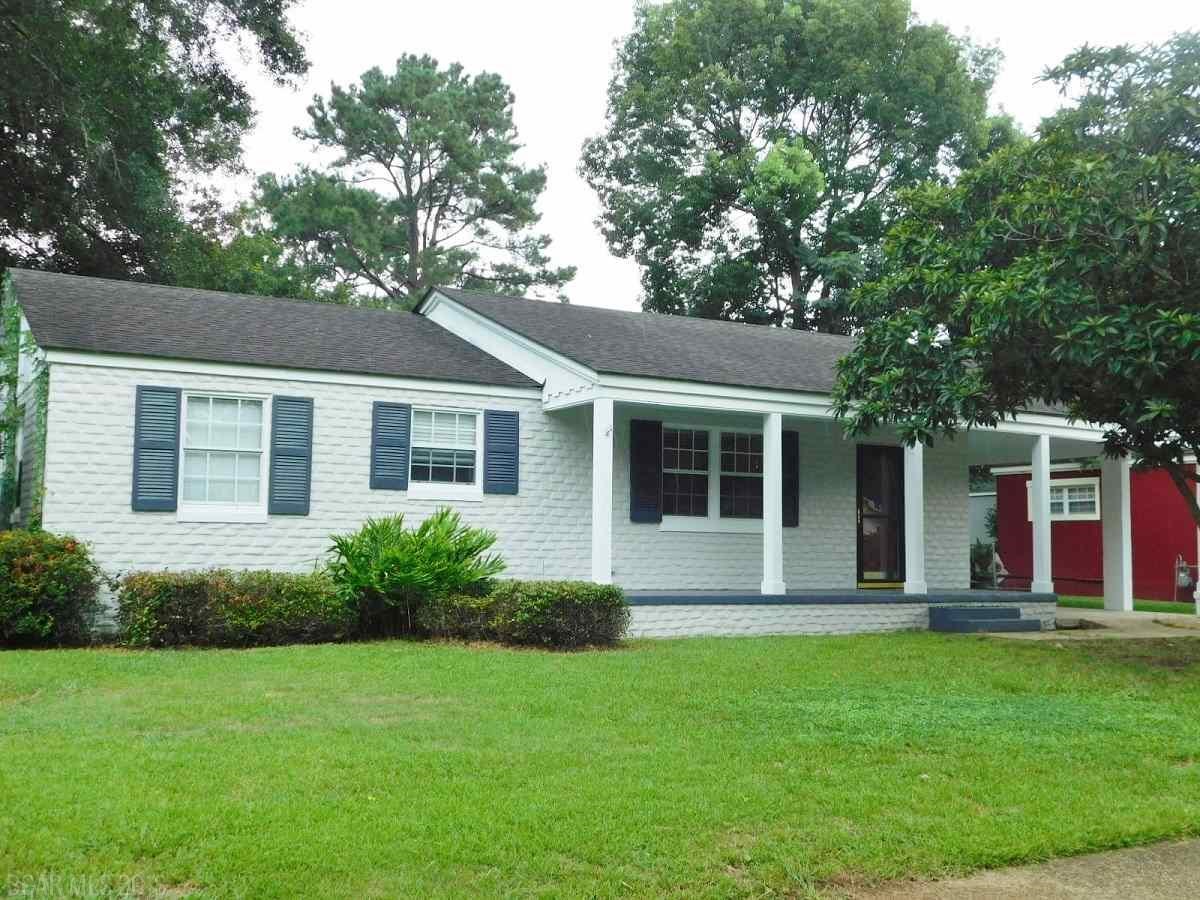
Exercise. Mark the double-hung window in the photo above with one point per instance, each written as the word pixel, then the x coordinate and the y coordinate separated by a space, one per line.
pixel 741 475
pixel 223 475
pixel 1071 499
pixel 445 453
pixel 712 479
pixel 685 472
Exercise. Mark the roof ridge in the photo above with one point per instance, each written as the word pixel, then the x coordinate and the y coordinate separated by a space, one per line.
pixel 208 292
pixel 637 314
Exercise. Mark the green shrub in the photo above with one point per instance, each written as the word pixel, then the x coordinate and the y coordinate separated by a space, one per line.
pixel 558 613
pixel 223 608
pixel 48 588
pixel 465 616
pixel 389 571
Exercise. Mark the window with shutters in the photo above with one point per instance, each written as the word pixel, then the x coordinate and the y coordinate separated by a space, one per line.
pixel 223 463
pixel 445 454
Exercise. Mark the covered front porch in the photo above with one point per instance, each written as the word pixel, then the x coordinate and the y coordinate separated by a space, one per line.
pixel 829 539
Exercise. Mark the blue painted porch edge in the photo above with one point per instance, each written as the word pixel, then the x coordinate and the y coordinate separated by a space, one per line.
pixel 829 598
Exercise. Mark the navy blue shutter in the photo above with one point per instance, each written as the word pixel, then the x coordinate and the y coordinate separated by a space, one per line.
pixel 791 479
pixel 390 425
pixel 645 471
pixel 501 451
pixel 156 449
pixel 291 456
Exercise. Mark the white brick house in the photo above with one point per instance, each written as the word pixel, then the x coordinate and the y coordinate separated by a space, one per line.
pixel 694 463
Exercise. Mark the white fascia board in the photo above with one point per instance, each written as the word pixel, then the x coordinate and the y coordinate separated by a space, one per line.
pixel 275 373
pixel 715 397
pixel 564 381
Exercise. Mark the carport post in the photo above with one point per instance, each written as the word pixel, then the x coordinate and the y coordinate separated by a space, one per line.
pixel 1039 498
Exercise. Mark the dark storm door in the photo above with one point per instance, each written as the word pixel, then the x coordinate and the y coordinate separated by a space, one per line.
pixel 880 516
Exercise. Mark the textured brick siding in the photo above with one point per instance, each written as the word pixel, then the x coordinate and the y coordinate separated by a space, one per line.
pixel 543 532
pixel 747 619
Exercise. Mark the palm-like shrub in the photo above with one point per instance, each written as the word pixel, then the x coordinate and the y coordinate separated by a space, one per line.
pixel 389 571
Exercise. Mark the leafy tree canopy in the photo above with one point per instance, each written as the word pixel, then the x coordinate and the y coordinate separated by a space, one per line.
pixel 754 147
pixel 1065 271
pixel 425 188
pixel 106 104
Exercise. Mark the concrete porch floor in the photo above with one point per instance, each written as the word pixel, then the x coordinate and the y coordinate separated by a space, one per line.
pixel 1109 625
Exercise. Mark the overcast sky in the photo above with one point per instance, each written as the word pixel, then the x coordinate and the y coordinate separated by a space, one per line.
pixel 556 55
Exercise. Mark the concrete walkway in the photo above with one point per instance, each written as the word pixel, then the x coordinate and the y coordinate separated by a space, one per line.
pixel 1101 624
pixel 1168 871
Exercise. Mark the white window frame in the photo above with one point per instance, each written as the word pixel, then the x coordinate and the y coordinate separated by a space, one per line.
pixel 441 490
pixel 712 523
pixel 227 513
pixel 1066 515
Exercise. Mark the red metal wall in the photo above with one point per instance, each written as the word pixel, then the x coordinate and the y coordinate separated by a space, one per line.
pixel 1162 531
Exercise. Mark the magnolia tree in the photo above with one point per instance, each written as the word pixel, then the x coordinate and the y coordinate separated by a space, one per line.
pixel 1065 270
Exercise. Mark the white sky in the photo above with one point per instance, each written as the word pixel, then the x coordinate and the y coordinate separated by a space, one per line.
pixel 556 55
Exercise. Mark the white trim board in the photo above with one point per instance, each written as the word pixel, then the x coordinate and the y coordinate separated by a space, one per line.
pixel 274 373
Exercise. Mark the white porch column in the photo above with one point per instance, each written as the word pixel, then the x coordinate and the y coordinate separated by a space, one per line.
pixel 1118 534
pixel 602 490
pixel 772 582
pixel 1039 498
pixel 914 520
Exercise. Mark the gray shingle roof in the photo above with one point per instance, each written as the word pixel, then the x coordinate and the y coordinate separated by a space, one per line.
pixel 676 347
pixel 101 315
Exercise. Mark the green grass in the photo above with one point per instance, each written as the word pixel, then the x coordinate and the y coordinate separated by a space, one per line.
pixel 1155 606
pixel 690 768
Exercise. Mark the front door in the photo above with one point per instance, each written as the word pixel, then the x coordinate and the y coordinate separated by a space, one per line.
pixel 880 516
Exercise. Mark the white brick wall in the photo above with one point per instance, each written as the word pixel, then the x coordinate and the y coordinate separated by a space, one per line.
pixel 543 532
pixel 806 618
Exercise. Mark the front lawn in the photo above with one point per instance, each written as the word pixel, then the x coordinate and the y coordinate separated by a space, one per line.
pixel 693 767
pixel 1154 606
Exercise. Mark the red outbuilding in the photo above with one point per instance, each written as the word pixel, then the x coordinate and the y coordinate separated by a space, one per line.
pixel 1164 535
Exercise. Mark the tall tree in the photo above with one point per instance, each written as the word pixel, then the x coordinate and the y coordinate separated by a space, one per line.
pixel 425 188
pixel 1065 271
pixel 104 106
pixel 753 147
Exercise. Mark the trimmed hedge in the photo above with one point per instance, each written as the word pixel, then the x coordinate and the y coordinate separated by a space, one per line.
pixel 48 588
pixel 562 614
pixel 222 608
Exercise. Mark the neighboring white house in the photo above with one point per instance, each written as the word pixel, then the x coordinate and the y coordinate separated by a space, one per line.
pixel 668 455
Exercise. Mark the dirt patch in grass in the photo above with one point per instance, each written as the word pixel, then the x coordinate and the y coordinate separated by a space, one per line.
pixel 1158 654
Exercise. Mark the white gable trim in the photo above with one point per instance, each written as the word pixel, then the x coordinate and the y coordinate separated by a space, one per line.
pixel 564 381
pixel 275 373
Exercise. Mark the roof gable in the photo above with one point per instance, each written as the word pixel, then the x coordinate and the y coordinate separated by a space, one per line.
pixel 671 347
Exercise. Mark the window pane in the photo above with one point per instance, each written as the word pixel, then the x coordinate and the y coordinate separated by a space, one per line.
pixel 193 489
pixel 247 491
pixel 222 465
pixel 220 490
pixel 741 497
pixel 685 495
pixel 466 430
pixel 422 424
pixel 195 463
pixel 247 465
